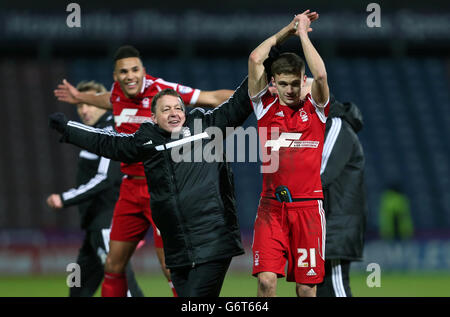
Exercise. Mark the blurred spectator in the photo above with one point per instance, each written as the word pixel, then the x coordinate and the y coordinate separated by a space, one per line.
pixel 395 216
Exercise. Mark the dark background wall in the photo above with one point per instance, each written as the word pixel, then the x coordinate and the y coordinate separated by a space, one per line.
pixel 398 75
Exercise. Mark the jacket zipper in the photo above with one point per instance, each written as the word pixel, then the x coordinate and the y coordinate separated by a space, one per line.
pixel 179 216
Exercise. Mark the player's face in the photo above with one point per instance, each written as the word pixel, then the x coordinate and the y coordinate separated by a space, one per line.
pixel 129 72
pixel 169 114
pixel 289 88
pixel 89 114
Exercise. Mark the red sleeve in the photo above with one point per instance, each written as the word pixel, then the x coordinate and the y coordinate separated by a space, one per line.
pixel 322 112
pixel 261 101
pixel 188 95
pixel 115 89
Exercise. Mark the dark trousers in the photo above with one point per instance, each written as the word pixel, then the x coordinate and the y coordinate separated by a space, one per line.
pixel 336 282
pixel 203 280
pixel 91 259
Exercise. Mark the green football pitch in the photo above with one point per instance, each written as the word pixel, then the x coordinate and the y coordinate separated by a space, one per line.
pixel 417 284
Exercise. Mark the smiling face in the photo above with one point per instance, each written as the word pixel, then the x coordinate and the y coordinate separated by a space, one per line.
pixel 289 88
pixel 169 113
pixel 129 73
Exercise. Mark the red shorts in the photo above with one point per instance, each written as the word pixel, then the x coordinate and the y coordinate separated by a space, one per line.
pixel 292 232
pixel 132 215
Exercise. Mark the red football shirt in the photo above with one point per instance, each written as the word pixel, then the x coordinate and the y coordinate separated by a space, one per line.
pixel 129 113
pixel 292 143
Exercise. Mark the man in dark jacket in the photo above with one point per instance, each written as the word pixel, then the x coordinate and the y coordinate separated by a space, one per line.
pixel 342 174
pixel 97 189
pixel 192 198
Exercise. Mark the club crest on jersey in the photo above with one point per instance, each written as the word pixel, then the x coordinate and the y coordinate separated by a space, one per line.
pixel 146 102
pixel 290 140
pixel 303 115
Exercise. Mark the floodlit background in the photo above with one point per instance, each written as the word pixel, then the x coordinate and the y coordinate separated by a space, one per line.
pixel 398 74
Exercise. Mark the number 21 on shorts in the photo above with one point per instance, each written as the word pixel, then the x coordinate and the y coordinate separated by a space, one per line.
pixel 303 257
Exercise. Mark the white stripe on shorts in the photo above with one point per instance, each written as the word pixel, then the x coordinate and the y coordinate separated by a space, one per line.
pixel 105 234
pixel 336 278
pixel 323 224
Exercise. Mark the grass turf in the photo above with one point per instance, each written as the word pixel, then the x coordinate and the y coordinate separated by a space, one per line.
pixel 418 284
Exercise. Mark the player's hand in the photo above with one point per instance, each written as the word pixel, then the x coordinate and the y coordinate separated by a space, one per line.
pixel 67 93
pixel 54 201
pixel 57 121
pixel 302 22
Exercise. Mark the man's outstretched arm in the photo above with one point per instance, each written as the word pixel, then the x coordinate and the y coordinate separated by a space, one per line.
pixel 257 78
pixel 128 148
pixel 233 112
pixel 66 92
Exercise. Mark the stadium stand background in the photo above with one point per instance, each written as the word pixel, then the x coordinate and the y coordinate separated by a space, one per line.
pixel 399 75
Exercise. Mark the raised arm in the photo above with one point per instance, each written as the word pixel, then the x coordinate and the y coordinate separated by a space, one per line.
pixel 319 87
pixel 128 148
pixel 257 78
pixel 66 92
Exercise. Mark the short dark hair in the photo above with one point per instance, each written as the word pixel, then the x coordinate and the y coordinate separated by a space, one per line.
pixel 288 63
pixel 165 92
pixel 125 52
pixel 90 85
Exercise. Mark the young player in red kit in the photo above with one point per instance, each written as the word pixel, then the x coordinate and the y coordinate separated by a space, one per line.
pixel 130 99
pixel 292 132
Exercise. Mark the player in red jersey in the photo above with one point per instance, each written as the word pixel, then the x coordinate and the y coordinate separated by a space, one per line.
pixel 291 129
pixel 130 100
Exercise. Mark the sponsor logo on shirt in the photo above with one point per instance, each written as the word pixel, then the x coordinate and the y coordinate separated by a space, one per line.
pixel 129 116
pixel 290 140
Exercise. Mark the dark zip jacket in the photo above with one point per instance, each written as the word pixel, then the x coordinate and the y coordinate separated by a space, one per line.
pixel 192 199
pixel 97 185
pixel 342 175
